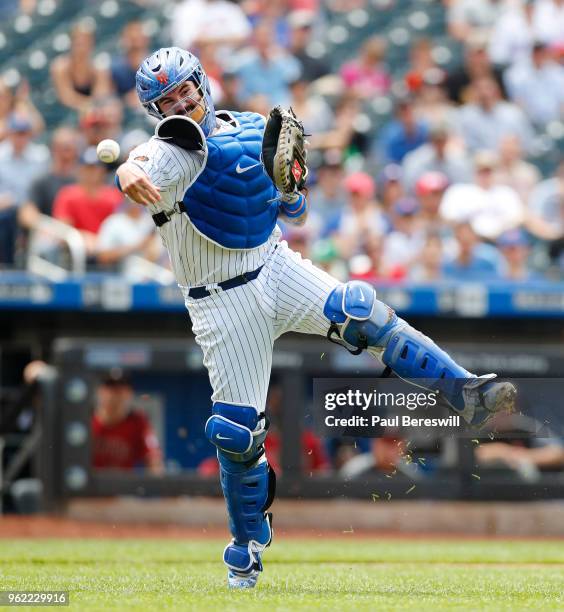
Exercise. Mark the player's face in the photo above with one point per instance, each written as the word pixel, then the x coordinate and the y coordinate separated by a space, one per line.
pixel 114 400
pixel 186 100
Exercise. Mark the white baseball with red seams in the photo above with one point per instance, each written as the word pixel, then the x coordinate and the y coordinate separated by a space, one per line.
pixel 108 151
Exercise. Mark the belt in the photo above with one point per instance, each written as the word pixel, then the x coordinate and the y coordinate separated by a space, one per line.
pixel 162 217
pixel 197 293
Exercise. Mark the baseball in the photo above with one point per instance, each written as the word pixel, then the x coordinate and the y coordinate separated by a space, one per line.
pixel 108 151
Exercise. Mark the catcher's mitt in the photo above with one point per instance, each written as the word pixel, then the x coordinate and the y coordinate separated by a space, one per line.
pixel 283 150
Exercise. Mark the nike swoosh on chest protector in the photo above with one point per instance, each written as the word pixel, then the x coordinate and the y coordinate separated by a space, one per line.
pixel 240 170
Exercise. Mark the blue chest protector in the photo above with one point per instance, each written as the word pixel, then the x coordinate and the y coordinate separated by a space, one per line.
pixel 229 202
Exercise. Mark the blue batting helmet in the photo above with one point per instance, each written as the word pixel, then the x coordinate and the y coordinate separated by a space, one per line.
pixel 165 70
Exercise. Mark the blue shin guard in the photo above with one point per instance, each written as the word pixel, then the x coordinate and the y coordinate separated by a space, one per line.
pixel 248 484
pixel 362 321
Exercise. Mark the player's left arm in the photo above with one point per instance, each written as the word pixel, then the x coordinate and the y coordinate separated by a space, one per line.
pixel 293 210
pixel 284 158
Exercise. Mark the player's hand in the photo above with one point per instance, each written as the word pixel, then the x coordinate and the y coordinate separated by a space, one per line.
pixel 136 185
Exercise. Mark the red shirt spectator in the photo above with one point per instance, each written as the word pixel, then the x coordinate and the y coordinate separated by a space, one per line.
pixel 86 204
pixel 124 445
pixel 122 437
pixel 83 210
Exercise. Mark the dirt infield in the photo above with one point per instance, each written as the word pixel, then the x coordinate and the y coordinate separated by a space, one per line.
pixel 60 527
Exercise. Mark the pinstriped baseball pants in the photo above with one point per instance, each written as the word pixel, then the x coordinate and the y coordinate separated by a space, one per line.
pixel 236 329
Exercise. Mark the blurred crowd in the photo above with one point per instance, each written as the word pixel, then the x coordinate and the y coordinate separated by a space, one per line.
pixel 445 188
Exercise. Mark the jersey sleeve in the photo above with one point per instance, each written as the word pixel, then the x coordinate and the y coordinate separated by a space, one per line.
pixel 169 167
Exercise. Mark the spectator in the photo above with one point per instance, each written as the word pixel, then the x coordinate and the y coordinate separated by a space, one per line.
pixel 275 12
pixel 477 65
pixel 466 17
pixel 301 238
pixel 513 171
pixel 313 111
pixel 515 248
pixel 135 48
pixel 76 78
pixel 122 437
pixel 372 265
pixel 401 135
pixel 21 161
pixel 404 243
pixel 85 204
pixel 63 171
pixel 209 56
pixel 540 73
pixel 361 219
pixel 327 197
pixel 430 189
pixel 546 205
pixel 231 91
pixel 548 21
pixel 390 186
pixel 441 154
pixel 513 34
pixel 101 120
pixel 18 101
pixel 490 208
pixel 344 136
pixel 218 21
pixel 431 100
pixel 474 260
pixel 421 63
pixel 267 69
pixel 301 24
pixel 522 448
pixel 128 231
pixel 486 121
pixel 428 267
pixel 367 75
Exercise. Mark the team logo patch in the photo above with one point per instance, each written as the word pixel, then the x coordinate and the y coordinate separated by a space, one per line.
pixel 296 171
pixel 141 158
pixel 162 77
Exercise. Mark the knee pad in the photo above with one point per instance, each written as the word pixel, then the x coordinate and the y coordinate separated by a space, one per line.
pixel 358 317
pixel 238 432
pixel 247 480
pixel 362 321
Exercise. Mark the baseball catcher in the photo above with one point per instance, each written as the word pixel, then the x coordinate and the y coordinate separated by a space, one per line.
pixel 216 183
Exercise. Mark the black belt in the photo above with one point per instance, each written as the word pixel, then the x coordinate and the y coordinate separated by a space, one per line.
pixel 197 293
pixel 161 218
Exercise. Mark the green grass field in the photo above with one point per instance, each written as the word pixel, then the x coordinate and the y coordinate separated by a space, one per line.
pixel 314 574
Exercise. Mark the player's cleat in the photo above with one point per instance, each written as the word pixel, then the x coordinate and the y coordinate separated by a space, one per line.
pixel 244 564
pixel 242 581
pixel 484 397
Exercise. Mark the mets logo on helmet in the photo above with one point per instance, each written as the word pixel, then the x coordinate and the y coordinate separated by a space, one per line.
pixel 162 77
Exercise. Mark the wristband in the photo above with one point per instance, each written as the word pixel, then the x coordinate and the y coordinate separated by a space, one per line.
pixel 296 209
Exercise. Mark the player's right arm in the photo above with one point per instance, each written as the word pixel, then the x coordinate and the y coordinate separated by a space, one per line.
pixel 136 184
pixel 158 173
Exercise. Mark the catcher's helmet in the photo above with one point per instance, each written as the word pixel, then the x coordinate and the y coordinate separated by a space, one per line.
pixel 165 70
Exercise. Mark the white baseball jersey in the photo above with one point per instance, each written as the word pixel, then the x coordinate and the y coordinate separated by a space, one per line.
pixel 236 328
pixel 195 259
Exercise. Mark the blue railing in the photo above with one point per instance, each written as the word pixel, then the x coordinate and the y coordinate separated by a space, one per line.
pixel 102 292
